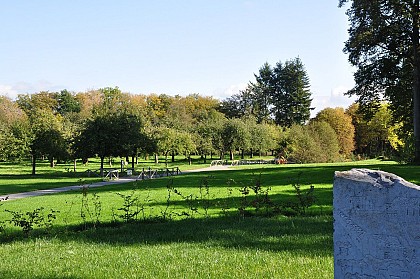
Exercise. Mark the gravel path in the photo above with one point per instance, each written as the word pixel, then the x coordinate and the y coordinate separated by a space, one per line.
pixel 94 185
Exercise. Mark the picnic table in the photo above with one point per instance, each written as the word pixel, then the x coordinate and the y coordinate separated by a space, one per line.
pixel 106 174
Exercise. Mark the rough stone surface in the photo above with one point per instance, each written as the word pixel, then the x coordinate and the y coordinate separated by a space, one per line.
pixel 376 226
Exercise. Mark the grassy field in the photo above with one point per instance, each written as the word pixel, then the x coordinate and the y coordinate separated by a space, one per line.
pixel 16 177
pixel 179 237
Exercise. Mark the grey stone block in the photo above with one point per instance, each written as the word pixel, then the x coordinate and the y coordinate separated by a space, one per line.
pixel 376 225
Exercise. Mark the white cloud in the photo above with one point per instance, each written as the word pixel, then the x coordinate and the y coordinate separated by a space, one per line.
pixel 8 91
pixel 13 90
pixel 222 94
pixel 335 99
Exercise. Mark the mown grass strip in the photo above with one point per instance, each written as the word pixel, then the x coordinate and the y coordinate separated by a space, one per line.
pixel 217 246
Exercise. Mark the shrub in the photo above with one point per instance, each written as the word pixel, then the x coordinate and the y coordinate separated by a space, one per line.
pixel 301 145
pixel 313 143
pixel 325 136
pixel 36 218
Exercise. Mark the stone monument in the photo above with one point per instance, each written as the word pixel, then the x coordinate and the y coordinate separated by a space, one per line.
pixel 376 226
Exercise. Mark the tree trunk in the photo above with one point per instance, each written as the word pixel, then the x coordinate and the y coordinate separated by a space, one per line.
pixel 74 165
pixel 242 154
pixel 205 158
pixel 416 82
pixel 156 158
pixel 173 157
pixel 252 153
pixel 51 162
pixel 231 155
pixel 132 162
pixel 102 166
pixel 33 164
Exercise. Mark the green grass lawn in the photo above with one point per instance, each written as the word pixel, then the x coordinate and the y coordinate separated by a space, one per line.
pixel 16 177
pixel 219 244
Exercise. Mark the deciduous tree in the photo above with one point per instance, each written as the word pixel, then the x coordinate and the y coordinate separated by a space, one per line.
pixel 384 46
pixel 342 125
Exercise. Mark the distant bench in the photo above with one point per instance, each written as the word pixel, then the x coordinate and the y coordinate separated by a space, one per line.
pixel 218 163
pixel 149 173
pixel 241 162
pixel 112 174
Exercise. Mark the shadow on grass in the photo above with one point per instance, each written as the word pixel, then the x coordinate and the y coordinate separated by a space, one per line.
pixel 16 183
pixel 284 175
pixel 301 235
pixel 269 176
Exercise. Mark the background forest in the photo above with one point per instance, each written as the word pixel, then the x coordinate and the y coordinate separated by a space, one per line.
pixel 270 117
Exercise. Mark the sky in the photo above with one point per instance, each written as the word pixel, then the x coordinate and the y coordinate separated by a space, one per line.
pixel 174 47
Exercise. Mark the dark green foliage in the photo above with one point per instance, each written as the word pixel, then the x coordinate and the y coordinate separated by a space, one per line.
pixel 262 92
pixel 305 199
pixel 324 135
pixel 280 94
pixel 14 141
pixel 30 219
pixel 298 146
pixel 235 135
pixel 67 102
pixel 204 197
pixel 112 135
pixel 238 105
pixel 50 143
pixel 291 97
pixel 90 209
pixel 261 204
pixel 130 208
pixel 259 201
pixel 316 142
pixel 384 46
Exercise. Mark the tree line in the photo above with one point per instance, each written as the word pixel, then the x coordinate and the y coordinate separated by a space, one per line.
pixel 272 115
pixel 383 45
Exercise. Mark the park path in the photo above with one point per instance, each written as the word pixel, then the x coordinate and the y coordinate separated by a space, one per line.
pixel 93 185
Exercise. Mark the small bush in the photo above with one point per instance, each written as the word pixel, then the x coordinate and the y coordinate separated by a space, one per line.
pixel 130 208
pixel 91 207
pixel 31 219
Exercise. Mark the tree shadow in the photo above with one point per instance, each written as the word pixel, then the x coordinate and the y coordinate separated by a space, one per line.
pixel 269 177
pixel 301 235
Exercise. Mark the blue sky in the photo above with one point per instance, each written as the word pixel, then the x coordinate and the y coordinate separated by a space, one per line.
pixel 210 47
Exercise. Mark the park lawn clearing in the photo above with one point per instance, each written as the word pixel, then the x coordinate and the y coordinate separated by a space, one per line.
pixel 212 245
pixel 17 178
pixel 219 248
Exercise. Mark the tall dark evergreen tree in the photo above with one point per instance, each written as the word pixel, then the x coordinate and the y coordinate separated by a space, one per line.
pixel 384 46
pixel 280 94
pixel 261 92
pixel 291 97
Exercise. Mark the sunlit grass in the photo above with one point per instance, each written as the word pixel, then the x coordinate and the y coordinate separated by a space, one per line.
pixel 216 246
pixel 16 177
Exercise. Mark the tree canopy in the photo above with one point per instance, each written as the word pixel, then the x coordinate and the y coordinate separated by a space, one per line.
pixel 279 94
pixel 342 125
pixel 384 46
